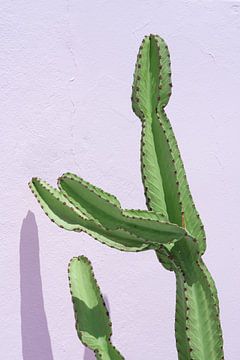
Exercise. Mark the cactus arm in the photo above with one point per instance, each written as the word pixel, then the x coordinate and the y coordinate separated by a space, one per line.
pixel 93 324
pixel 158 69
pixel 55 206
pixel 106 209
pixel 197 326
pixel 84 195
pixel 92 199
pixel 149 231
pixel 61 212
pixel 78 181
pixel 144 101
pixel 180 207
pixel 147 227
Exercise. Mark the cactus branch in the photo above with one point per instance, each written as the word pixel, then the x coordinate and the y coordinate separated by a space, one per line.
pixel 93 324
pixel 62 209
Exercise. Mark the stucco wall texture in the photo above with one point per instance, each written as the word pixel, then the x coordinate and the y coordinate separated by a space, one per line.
pixel 66 75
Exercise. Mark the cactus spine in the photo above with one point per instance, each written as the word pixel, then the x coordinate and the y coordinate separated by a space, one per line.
pixel 171 226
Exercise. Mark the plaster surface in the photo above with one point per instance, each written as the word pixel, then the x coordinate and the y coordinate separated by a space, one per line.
pixel 66 75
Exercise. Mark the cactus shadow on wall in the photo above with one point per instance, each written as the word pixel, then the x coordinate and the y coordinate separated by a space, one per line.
pixel 36 343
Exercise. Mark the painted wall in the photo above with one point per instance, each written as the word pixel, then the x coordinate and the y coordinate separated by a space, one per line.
pixel 66 74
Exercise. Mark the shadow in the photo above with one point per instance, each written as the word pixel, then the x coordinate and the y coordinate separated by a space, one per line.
pixel 36 343
pixel 89 354
pixel 106 302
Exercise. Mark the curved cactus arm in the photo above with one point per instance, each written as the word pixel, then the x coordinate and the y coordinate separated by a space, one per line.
pixel 78 192
pixel 151 92
pixel 91 200
pixel 148 232
pixel 73 178
pixel 56 207
pixel 93 324
pixel 106 209
pixel 62 213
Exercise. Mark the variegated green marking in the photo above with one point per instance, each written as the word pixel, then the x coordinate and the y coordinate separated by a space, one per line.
pixel 93 324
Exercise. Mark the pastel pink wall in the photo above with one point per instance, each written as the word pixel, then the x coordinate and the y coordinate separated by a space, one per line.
pixel 66 74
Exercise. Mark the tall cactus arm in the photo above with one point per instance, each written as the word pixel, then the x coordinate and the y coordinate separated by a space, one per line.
pixel 147 230
pixel 93 324
pixel 144 102
pixel 151 92
pixel 196 300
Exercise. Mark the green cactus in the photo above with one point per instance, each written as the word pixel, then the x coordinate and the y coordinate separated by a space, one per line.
pixel 171 226
pixel 93 325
